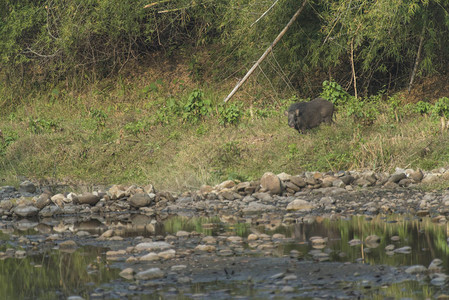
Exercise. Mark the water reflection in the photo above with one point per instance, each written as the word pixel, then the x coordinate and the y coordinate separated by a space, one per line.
pixel 51 273
pixel 54 274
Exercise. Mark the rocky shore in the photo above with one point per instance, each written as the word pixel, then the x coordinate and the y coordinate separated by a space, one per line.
pixel 311 193
pixel 174 264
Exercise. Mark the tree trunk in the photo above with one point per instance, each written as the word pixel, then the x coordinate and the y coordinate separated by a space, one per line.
pixel 418 58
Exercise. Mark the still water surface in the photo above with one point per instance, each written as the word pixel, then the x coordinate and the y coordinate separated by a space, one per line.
pixel 50 273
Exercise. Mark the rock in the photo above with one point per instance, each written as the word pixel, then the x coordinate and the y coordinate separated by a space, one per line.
pixel 50 211
pixel 417 176
pixel 317 240
pixel 168 254
pixel 430 178
pixel 151 246
pixel 42 201
pixel 362 182
pixel 263 197
pixel 177 268
pixel 284 176
pixel 88 198
pixel 117 192
pixel 140 200
pixel 153 273
pixel 164 196
pixel 292 186
pixel 397 177
pixel 299 204
pixel 258 207
pixel 347 179
pixel 58 199
pixel 182 234
pixel 416 269
pixel 252 237
pixel 205 248
pixel 270 182
pixel 27 187
pixel 405 182
pixel 152 256
pixel 228 184
pixel 127 273
pixel 206 189
pixel 26 211
pixel 149 189
pixel 6 205
pixel 235 239
pixel 298 181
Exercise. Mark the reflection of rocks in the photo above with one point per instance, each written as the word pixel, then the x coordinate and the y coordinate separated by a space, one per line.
pixel 26 211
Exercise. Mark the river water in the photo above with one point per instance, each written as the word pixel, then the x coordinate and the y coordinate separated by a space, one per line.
pixel 282 263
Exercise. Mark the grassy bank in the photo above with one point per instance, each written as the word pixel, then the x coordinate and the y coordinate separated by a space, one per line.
pixel 163 127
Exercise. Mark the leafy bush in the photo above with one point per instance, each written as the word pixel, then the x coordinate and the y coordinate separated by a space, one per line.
pixel 423 107
pixel 333 92
pixel 196 107
pixel 230 114
pixel 362 110
pixel 167 111
pixel 441 107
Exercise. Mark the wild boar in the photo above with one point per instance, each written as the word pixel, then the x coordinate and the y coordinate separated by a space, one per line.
pixel 307 115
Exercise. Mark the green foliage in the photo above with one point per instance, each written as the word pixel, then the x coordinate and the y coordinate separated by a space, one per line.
pixel 441 107
pixel 333 92
pixel 364 111
pixel 42 125
pixel 230 114
pixel 196 107
pixel 167 111
pixel 422 107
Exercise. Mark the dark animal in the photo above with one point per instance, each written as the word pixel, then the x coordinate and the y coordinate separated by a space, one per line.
pixel 307 115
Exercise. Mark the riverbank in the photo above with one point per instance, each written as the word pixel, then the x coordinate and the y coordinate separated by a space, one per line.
pixel 328 236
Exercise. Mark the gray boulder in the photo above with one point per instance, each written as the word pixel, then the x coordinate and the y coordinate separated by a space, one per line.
pixel 140 200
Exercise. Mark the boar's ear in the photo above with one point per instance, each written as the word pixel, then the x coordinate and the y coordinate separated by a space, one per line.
pixel 297 112
pixel 285 113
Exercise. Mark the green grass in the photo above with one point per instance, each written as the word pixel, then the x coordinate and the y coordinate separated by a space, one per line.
pixel 140 132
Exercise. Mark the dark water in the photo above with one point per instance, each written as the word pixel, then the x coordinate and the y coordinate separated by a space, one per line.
pixel 49 273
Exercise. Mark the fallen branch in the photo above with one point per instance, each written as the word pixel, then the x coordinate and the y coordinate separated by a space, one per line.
pixel 418 58
pixel 156 3
pixel 295 16
pixel 264 13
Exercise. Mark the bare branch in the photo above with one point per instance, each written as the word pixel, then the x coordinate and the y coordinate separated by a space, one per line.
pixel 264 13
pixel 278 38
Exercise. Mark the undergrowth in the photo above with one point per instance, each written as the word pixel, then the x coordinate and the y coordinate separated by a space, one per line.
pixel 179 135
